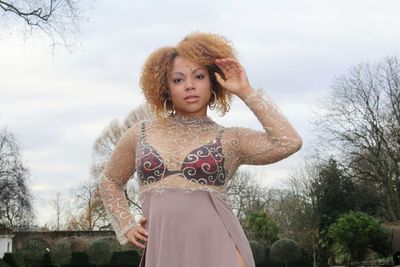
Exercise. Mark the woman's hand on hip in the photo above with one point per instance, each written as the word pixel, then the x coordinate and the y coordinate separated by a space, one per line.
pixel 137 233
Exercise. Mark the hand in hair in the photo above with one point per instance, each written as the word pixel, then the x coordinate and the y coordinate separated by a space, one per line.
pixel 236 80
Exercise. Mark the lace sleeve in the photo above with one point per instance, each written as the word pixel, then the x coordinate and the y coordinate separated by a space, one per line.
pixel 115 175
pixel 278 140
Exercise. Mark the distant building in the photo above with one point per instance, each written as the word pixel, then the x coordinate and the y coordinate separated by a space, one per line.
pixel 6 237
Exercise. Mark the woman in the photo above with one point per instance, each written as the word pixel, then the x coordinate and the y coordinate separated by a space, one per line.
pixel 183 159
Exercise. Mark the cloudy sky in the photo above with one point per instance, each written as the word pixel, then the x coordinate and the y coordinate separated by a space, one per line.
pixel 57 103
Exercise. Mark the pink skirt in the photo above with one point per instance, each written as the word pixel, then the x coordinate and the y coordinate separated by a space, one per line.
pixel 195 229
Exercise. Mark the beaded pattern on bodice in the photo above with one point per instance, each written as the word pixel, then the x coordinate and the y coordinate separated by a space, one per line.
pixel 203 165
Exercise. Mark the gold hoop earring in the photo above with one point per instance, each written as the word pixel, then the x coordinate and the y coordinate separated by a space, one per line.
pixel 169 112
pixel 212 104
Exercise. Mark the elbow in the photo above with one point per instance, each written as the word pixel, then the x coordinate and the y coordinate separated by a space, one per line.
pixel 297 144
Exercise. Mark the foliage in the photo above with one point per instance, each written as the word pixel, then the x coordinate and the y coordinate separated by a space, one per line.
pixel 332 192
pixel 61 252
pixel 261 228
pixel 246 194
pixel 258 251
pixel 355 232
pixel 33 252
pixel 361 119
pixel 3 263
pixel 78 244
pixel 113 243
pixel 15 196
pixel 13 259
pixel 285 251
pixel 79 258
pixel 125 258
pixel 100 252
pixel 46 260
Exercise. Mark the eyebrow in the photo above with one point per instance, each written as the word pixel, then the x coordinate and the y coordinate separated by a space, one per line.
pixel 178 72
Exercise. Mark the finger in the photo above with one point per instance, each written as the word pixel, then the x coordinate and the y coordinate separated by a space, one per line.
pixel 229 66
pixel 225 65
pixel 135 241
pixel 140 236
pixel 233 63
pixel 219 79
pixel 222 64
pixel 234 66
pixel 138 244
pixel 142 231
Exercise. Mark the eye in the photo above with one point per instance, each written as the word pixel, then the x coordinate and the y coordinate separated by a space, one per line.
pixel 201 76
pixel 177 80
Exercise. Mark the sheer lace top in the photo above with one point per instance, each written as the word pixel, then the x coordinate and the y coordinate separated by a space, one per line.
pixel 192 153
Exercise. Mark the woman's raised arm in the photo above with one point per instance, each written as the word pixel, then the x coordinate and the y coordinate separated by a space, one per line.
pixel 278 140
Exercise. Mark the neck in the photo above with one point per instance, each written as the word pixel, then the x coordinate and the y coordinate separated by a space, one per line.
pixel 186 119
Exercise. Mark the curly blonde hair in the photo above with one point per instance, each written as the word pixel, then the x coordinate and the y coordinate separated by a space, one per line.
pixel 200 48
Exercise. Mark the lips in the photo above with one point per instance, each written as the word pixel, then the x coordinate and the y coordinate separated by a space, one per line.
pixel 191 97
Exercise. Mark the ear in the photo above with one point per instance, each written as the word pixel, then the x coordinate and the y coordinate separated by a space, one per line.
pixel 166 94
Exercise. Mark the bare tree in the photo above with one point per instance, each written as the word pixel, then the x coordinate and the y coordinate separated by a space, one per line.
pixel 107 140
pixel 246 194
pixel 91 214
pixel 60 205
pixel 361 119
pixel 15 197
pixel 58 19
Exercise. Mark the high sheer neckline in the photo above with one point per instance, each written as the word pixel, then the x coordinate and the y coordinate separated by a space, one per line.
pixel 188 120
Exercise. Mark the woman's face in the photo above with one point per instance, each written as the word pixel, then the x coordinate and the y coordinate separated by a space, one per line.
pixel 189 87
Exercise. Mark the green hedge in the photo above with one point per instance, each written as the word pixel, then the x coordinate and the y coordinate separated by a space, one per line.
pixel 79 265
pixel 61 253
pixel 100 252
pixel 3 263
pixel 14 259
pixel 125 258
pixel 79 258
pixel 33 252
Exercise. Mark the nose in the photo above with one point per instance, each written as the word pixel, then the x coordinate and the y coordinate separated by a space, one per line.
pixel 189 84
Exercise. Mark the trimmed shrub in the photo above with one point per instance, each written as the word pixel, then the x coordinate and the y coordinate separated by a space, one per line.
pixel 79 258
pixel 258 251
pixel 114 245
pixel 356 232
pixel 14 259
pixel 285 251
pixel 78 244
pixel 79 265
pixel 46 260
pixel 3 263
pixel 100 252
pixel 33 252
pixel 61 253
pixel 125 258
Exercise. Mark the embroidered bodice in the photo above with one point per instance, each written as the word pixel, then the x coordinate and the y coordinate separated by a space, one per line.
pixel 203 164
pixel 191 153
